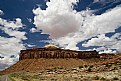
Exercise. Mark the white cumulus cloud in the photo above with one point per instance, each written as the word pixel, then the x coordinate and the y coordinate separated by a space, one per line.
pixel 101 40
pixel 104 23
pixel 13 44
pixel 67 27
pixel 33 30
pixel 58 19
pixel 1 12
pixel 107 43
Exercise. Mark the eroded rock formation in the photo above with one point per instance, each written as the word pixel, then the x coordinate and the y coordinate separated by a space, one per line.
pixel 55 52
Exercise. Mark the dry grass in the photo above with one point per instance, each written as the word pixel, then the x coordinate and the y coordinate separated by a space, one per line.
pixel 69 76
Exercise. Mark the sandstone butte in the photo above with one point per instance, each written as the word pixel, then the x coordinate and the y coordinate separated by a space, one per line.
pixel 51 56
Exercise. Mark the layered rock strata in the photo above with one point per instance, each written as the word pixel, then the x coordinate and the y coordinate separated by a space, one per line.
pixel 37 53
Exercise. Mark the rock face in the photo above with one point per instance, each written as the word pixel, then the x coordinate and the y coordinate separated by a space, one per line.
pixel 55 52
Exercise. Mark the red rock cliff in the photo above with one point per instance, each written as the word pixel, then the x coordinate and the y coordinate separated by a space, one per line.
pixel 55 52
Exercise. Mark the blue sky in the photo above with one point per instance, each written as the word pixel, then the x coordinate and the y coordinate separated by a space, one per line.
pixel 70 24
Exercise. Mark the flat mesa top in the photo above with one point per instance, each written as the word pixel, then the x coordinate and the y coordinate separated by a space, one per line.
pixel 50 46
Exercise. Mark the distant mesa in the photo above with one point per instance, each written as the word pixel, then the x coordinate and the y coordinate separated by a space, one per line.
pixel 51 56
pixel 52 51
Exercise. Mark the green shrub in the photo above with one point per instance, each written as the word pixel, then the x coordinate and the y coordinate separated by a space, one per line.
pixel 10 77
pixel 61 68
pixel 0 74
pixel 80 67
pixel 108 65
pixel 13 75
pixel 58 68
pixel 85 66
pixel 115 78
pixel 28 78
pixel 35 76
pixel 102 79
pixel 96 78
pixel 91 66
pixel 89 69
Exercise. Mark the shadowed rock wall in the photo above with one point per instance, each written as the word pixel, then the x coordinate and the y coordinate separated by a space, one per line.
pixel 56 53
